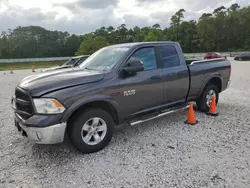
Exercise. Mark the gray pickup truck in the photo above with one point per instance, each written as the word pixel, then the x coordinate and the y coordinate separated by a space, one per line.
pixel 133 82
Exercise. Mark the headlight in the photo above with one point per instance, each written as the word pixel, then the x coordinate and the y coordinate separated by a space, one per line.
pixel 48 106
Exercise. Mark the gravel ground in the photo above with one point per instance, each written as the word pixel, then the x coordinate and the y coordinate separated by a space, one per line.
pixel 160 153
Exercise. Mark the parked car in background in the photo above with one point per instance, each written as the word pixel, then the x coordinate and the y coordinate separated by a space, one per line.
pixel 214 55
pixel 244 56
pixel 72 62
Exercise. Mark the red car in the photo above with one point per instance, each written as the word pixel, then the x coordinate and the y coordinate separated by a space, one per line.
pixel 213 55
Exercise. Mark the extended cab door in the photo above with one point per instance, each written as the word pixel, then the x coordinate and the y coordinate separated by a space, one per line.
pixel 143 90
pixel 175 75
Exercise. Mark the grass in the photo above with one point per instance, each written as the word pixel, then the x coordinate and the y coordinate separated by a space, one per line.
pixel 28 65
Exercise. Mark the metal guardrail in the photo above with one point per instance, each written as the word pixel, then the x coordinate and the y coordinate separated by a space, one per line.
pixel 187 55
pixel 34 59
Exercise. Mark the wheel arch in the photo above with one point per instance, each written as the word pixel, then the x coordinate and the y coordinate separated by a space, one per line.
pixel 107 105
pixel 215 80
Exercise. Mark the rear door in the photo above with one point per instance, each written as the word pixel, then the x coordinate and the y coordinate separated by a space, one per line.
pixel 175 75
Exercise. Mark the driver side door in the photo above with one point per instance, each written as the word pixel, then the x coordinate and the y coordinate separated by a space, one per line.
pixel 143 90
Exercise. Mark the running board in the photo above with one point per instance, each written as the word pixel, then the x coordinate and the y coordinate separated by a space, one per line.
pixel 159 115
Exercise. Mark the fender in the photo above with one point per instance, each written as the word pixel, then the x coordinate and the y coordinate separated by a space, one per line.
pixel 215 75
pixel 88 99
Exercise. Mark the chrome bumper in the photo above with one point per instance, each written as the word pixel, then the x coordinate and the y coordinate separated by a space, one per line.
pixel 46 135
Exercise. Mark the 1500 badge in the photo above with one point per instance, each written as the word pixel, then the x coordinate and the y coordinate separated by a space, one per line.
pixel 129 92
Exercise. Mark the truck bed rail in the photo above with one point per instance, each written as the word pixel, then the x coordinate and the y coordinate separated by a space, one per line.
pixel 206 61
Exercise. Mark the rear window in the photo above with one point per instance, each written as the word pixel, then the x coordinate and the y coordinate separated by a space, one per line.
pixel 169 56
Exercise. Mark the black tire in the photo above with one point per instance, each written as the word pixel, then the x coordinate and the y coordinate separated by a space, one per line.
pixel 202 101
pixel 76 124
pixel 244 58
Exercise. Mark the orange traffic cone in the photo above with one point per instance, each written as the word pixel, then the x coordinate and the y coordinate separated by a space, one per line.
pixel 11 70
pixel 191 116
pixel 33 69
pixel 212 109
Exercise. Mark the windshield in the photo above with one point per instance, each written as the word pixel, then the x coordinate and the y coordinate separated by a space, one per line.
pixel 71 61
pixel 79 61
pixel 105 58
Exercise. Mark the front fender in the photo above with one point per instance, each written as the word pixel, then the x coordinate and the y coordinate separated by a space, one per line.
pixel 95 98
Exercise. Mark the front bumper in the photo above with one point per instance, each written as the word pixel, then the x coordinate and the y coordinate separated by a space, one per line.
pixel 42 135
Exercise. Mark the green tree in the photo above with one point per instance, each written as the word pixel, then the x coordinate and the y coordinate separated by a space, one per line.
pixel 225 29
pixel 156 26
pixel 176 20
pixel 205 33
pixel 151 36
pixel 92 44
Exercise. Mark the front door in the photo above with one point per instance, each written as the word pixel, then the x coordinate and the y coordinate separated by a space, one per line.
pixel 144 90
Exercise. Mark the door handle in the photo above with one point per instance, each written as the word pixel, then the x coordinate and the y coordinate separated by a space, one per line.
pixel 173 74
pixel 156 77
pixel 182 72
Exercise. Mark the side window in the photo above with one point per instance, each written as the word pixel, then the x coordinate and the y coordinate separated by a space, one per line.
pixel 169 56
pixel 147 56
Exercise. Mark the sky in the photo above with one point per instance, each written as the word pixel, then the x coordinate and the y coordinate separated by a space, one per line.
pixel 83 16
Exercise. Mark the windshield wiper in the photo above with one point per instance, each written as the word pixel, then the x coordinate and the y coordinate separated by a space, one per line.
pixel 89 68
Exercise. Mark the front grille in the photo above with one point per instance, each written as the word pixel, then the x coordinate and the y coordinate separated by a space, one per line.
pixel 23 103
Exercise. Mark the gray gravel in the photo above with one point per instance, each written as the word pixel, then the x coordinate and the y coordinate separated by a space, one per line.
pixel 160 153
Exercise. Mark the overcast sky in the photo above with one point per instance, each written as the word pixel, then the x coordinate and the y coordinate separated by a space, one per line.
pixel 82 16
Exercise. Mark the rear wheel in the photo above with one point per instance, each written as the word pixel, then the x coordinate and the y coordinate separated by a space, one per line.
pixel 91 130
pixel 204 101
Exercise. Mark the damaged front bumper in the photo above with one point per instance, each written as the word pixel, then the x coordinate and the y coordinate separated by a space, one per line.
pixel 42 135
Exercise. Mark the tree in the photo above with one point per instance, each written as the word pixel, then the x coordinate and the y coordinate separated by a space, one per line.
pixel 188 36
pixel 225 29
pixel 175 23
pixel 219 9
pixel 156 26
pixel 205 33
pixel 92 44
pixel 234 7
pixel 177 18
pixel 150 37
pixel 110 29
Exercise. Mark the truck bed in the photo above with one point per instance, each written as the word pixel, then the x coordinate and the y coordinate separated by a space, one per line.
pixel 201 71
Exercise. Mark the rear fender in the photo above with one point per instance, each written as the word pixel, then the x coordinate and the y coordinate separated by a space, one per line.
pixel 215 75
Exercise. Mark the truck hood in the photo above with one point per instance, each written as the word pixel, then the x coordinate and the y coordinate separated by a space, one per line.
pixel 57 67
pixel 40 84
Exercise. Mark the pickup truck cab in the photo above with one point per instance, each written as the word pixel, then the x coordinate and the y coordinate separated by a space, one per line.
pixel 121 83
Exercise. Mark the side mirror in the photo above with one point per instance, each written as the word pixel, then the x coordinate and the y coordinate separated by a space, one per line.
pixel 134 65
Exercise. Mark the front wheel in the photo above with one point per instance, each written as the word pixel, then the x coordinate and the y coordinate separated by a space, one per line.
pixel 204 101
pixel 91 130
